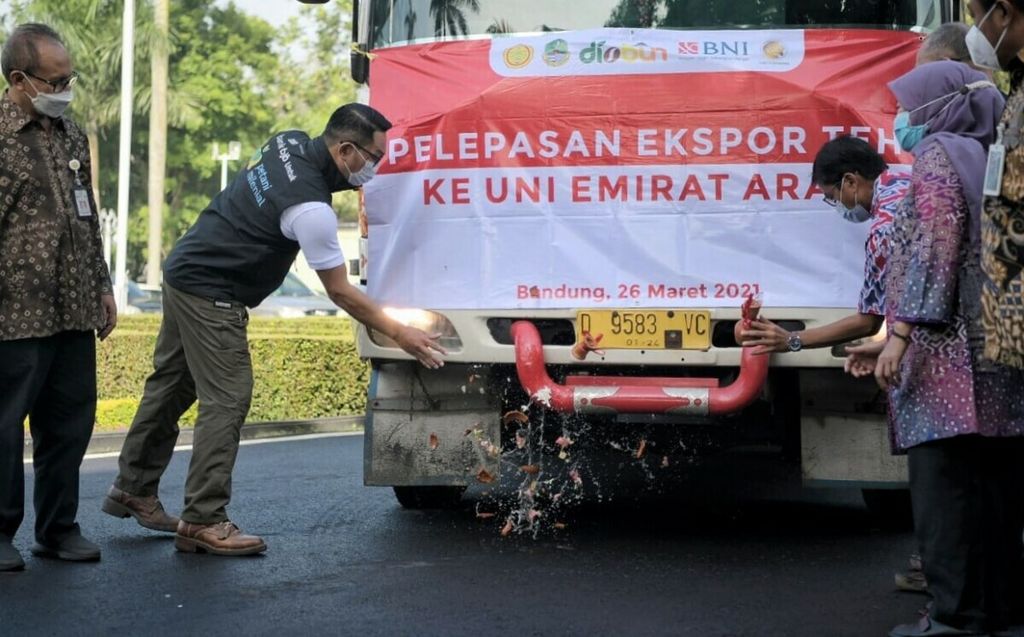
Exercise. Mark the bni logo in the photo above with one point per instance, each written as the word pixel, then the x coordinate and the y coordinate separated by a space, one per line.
pixel 714 48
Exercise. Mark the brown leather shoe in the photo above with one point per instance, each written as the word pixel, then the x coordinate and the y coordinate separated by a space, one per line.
pixel 223 538
pixel 146 510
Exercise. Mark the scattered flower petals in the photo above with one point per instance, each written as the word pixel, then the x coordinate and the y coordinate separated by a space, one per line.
pixel 559 525
pixel 563 441
pixel 641 449
pixel 434 442
pixel 543 396
pixel 563 456
pixel 484 476
pixel 664 462
pixel 533 515
pixel 505 530
pixel 587 343
pixel 515 416
pixel 575 476
pixel 531 469
pixel 485 515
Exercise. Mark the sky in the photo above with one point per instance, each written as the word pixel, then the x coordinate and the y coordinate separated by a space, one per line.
pixel 273 11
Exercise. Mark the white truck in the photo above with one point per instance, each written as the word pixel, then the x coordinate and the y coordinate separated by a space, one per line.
pixel 579 196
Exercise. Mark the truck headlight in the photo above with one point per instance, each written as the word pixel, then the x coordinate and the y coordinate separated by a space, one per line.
pixel 429 322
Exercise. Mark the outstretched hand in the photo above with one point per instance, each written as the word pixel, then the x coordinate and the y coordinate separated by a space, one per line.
pixel 765 337
pixel 421 346
pixel 861 359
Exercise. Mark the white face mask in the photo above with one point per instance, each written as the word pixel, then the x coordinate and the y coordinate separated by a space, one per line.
pixel 50 104
pixel 983 54
pixel 364 174
pixel 857 214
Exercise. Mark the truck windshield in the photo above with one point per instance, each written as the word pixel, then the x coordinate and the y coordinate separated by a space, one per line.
pixel 403 21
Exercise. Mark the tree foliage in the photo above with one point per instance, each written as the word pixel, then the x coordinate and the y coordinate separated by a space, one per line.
pixel 233 76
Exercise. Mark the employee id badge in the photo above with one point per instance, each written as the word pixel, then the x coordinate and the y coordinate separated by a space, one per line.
pixel 82 206
pixel 994 170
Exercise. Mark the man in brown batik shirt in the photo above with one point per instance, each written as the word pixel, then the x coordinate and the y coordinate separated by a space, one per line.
pixel 55 295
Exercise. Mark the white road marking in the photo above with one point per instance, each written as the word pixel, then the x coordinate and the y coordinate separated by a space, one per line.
pixel 260 441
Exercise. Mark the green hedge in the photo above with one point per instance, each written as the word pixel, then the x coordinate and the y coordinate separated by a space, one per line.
pixel 303 368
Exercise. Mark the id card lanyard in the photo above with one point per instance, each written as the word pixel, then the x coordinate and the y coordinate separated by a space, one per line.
pixel 79 191
pixel 994 165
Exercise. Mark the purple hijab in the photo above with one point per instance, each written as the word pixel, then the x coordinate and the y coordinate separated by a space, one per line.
pixel 965 128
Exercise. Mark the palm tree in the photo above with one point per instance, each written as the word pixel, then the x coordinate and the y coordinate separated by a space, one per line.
pixel 500 27
pixel 410 25
pixel 450 17
pixel 91 31
pixel 634 13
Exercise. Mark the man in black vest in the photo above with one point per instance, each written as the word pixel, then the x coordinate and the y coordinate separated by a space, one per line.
pixel 236 254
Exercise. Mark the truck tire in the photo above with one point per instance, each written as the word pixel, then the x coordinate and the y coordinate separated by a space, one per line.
pixel 890 506
pixel 429 497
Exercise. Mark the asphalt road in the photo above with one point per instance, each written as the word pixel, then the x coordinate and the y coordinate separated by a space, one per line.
pixel 345 559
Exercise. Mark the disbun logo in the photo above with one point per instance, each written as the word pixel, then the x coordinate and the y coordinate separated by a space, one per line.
pixel 597 52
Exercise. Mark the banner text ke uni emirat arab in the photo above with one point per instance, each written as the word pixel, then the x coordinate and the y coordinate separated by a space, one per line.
pixel 719 181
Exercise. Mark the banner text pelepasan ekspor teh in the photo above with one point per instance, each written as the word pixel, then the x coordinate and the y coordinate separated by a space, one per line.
pixel 623 168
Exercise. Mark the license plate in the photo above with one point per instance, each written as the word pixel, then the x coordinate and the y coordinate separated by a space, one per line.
pixel 647 329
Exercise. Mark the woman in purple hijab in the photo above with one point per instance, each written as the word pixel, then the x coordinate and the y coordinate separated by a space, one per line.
pixel 959 418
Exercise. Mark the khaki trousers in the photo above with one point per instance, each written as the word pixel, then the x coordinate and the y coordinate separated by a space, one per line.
pixel 201 352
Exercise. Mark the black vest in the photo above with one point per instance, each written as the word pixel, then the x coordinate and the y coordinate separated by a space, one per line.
pixel 235 250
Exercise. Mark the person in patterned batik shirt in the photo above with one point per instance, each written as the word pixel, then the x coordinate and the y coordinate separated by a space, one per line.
pixel 998 43
pixel 55 296
pixel 859 185
pixel 958 416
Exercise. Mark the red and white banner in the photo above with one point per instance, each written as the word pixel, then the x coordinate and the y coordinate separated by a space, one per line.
pixel 622 167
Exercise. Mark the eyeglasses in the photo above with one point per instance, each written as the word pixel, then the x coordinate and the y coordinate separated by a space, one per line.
pixel 58 85
pixel 832 201
pixel 374 158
